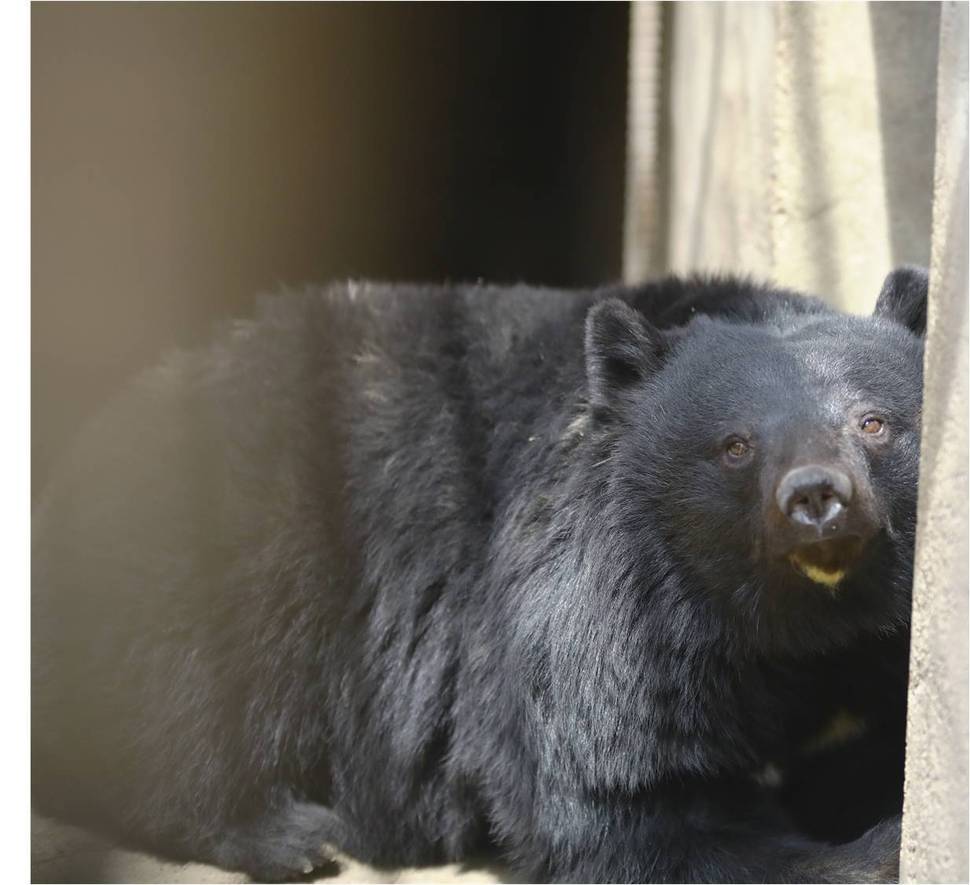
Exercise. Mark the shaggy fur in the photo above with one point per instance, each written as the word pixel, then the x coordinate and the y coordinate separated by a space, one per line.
pixel 415 571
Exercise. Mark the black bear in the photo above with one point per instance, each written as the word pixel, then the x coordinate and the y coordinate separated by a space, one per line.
pixel 590 578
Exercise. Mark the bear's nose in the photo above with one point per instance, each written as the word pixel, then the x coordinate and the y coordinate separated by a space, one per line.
pixel 815 497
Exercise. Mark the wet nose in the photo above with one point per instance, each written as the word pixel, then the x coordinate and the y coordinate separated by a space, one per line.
pixel 815 497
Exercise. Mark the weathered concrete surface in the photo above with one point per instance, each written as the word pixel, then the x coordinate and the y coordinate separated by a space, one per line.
pixel 720 150
pixel 935 814
pixel 797 143
pixel 643 253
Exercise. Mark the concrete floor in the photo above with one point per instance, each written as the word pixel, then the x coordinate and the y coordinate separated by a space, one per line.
pixel 62 853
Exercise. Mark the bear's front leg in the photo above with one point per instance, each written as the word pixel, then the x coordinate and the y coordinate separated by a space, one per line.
pixel 282 844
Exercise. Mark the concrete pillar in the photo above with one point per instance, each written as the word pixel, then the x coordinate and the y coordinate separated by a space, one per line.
pixel 935 812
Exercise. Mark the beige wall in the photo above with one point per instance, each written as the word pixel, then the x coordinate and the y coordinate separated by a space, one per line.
pixel 796 143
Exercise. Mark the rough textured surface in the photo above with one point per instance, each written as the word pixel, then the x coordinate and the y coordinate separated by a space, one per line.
pixel 642 252
pixel 830 228
pixel 721 150
pixel 935 814
pixel 799 143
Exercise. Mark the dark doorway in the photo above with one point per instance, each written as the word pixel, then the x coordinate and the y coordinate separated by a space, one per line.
pixel 187 157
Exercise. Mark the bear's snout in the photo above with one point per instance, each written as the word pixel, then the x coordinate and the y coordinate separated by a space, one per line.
pixel 816 500
pixel 824 521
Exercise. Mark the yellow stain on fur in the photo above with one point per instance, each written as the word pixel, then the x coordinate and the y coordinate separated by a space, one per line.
pixel 817 574
pixel 843 727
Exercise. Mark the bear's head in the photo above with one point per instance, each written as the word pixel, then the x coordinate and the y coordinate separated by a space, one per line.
pixel 771 467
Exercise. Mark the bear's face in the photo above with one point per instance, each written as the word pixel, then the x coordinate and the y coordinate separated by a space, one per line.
pixel 779 465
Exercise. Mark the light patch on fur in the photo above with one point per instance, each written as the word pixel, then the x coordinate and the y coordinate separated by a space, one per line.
pixel 843 727
pixel 769 776
pixel 577 427
pixel 827 578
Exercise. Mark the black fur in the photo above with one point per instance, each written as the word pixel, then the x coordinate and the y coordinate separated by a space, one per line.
pixel 903 297
pixel 412 571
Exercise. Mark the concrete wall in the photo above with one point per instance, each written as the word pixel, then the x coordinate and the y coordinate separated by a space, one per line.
pixel 935 814
pixel 795 142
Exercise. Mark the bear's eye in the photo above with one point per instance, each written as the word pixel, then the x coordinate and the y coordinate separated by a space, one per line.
pixel 872 425
pixel 736 448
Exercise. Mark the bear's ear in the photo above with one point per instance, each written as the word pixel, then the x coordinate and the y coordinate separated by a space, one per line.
pixel 621 349
pixel 903 298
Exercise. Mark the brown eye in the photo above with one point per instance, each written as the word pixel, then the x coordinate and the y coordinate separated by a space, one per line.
pixel 737 448
pixel 872 425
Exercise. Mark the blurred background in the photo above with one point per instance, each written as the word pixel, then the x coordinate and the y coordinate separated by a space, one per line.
pixel 187 157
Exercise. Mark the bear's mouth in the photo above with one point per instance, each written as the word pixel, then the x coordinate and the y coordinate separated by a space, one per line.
pixel 826 562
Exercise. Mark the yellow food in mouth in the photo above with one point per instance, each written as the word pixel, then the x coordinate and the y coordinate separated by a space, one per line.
pixel 827 577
